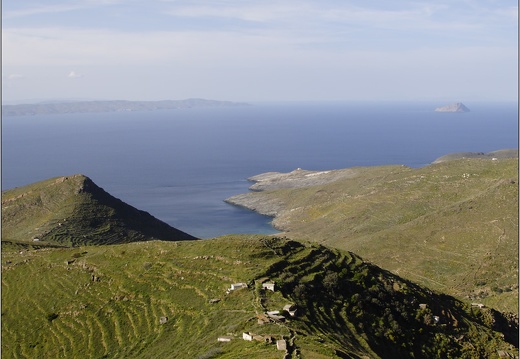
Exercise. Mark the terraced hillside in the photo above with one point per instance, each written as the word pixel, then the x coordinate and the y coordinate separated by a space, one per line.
pixel 452 226
pixel 161 299
pixel 73 210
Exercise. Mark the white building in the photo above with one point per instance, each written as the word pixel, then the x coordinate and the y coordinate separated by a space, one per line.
pixel 268 286
pixel 236 286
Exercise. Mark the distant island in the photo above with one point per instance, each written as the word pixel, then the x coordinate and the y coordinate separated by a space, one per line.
pixel 454 107
pixel 111 106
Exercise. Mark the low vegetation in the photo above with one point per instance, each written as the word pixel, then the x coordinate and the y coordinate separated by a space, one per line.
pixel 451 227
pixel 170 299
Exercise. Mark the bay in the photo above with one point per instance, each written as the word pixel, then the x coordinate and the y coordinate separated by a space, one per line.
pixel 180 165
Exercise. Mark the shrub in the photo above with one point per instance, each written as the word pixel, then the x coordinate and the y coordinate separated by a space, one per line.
pixel 52 316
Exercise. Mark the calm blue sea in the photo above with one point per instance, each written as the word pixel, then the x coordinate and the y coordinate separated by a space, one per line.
pixel 180 165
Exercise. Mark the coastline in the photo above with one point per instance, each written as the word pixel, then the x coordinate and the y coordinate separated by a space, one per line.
pixel 264 197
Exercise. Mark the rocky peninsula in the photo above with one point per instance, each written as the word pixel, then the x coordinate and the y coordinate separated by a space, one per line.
pixel 273 181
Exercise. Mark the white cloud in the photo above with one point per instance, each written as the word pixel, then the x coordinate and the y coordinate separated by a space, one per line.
pixel 40 10
pixel 73 47
pixel 74 75
pixel 508 12
pixel 290 47
pixel 15 77
pixel 57 8
pixel 400 15
pixel 287 29
pixel 265 12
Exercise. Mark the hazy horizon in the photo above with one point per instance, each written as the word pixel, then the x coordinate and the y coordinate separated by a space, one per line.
pixel 439 102
pixel 246 51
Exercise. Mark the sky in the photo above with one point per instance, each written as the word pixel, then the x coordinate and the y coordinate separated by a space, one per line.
pixel 269 50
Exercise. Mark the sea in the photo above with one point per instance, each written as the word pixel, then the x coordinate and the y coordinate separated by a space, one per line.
pixel 180 165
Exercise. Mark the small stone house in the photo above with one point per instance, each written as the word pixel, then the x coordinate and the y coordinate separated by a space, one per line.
pixel 236 286
pixel 281 344
pixel 262 319
pixel 259 338
pixel 247 336
pixel 291 309
pixel 269 286
pixel 275 315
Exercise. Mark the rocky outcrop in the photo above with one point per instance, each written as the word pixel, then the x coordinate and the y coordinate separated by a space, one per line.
pixel 454 107
pixel 297 179
pixel 269 181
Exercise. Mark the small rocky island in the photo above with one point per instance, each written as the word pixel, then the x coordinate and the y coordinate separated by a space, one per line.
pixel 454 107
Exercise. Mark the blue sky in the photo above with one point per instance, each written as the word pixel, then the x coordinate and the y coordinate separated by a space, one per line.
pixel 457 50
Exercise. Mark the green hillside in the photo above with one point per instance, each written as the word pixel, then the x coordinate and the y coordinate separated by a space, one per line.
pixel 160 299
pixel 452 226
pixel 500 154
pixel 74 211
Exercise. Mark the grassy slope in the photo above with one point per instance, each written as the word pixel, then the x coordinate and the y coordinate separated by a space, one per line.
pixel 106 302
pixel 451 226
pixel 74 211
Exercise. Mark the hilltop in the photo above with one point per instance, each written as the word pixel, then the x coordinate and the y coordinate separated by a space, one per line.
pixel 110 106
pixel 74 211
pixel 452 225
pixel 175 299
